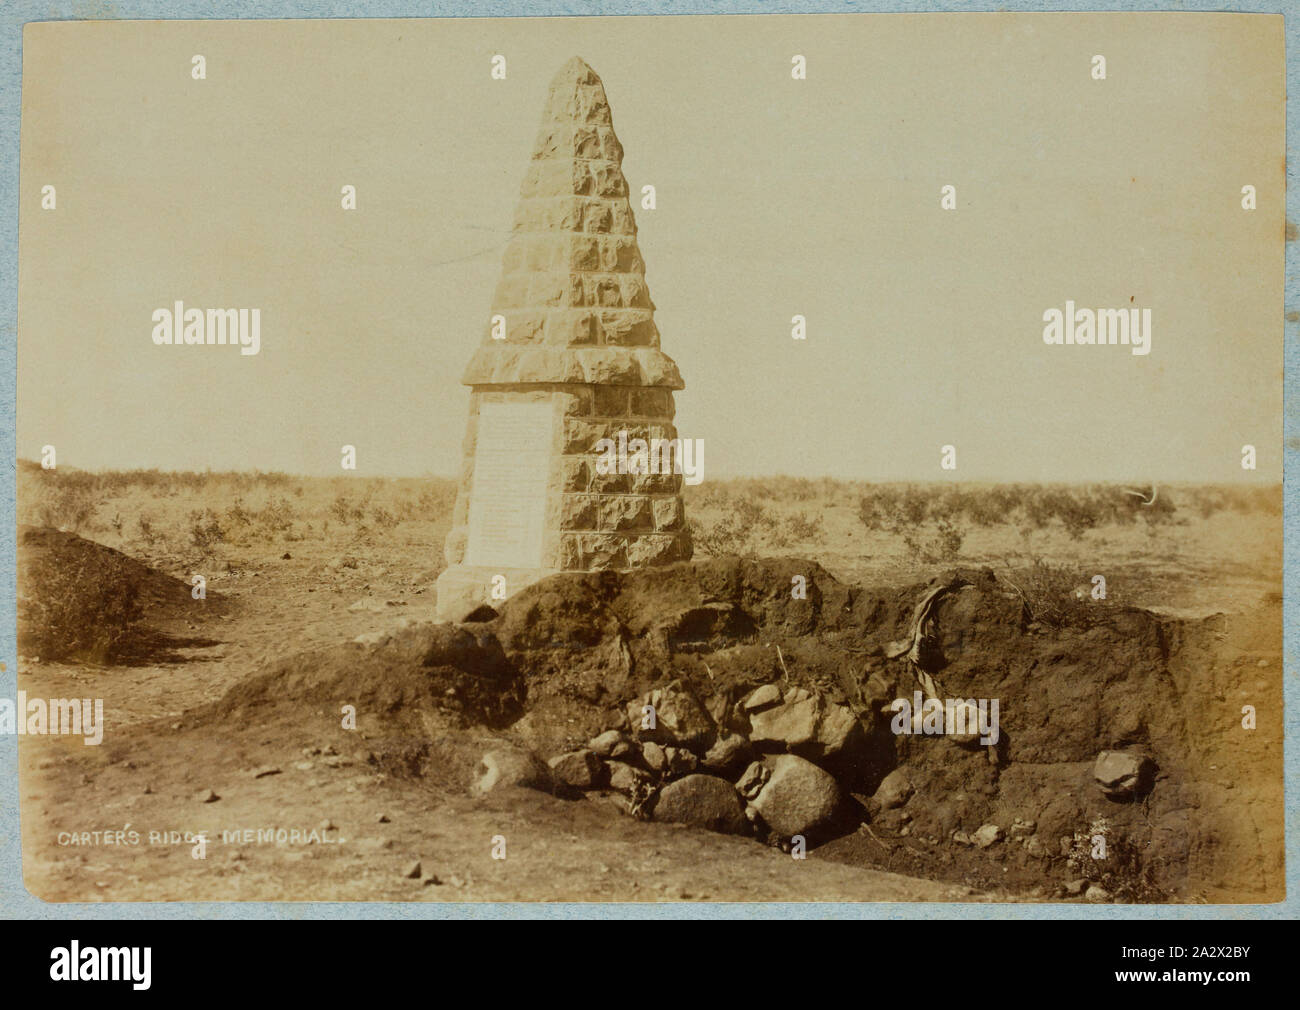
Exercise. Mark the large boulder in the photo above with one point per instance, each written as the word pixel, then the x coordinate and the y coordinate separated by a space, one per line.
pixel 798 798
pixel 703 802
pixel 679 719
pixel 806 724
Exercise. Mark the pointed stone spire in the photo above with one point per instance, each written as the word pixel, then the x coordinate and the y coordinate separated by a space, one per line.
pixel 576 362
pixel 573 292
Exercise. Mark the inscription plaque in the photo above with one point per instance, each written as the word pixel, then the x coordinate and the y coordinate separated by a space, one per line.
pixel 512 463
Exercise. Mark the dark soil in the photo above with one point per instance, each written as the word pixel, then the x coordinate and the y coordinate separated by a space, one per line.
pixel 565 656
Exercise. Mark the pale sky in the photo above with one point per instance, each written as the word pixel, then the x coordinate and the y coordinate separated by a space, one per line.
pixel 776 197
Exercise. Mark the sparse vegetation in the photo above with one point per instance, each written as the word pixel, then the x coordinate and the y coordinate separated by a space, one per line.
pixel 69 507
pixel 856 530
pixel 1115 862
pixel 79 611
pixel 1057 595
pixel 144 523
pixel 205 529
pixel 804 530
pixel 739 532
pixel 1076 509
pixel 344 510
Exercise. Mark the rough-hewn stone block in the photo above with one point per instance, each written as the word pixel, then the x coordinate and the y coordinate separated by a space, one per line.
pixel 608 365
pixel 668 514
pixel 654 549
pixel 626 514
pixel 576 401
pixel 619 254
pixel 602 550
pixel 628 327
pixel 597 216
pixel 611 149
pixel 565 140
pixel 577 473
pixel 579 512
pixel 657 403
pixel 622 222
pixel 655 483
pixel 584 103
pixel 571 327
pixel 551 214
pixel 610 401
pixel 608 483
pixel 581 436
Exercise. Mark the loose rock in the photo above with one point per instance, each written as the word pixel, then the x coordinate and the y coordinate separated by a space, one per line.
pixel 654 757
pixel 679 718
pixel 798 798
pixel 753 780
pixel 764 697
pixel 702 801
pixel 517 768
pixel 626 779
pixel 608 742
pixel 894 790
pixel 1097 893
pixel 579 769
pixel 728 753
pixel 806 724
pixel 1123 775
pixel 986 835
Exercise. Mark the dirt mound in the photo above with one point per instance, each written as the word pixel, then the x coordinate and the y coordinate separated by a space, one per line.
pixel 565 657
pixel 1127 681
pixel 42 548
pixel 418 676
pixel 81 600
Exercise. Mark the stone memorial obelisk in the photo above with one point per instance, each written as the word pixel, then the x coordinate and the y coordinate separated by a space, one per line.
pixel 571 356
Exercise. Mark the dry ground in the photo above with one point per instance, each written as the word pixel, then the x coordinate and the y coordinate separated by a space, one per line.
pixel 300 564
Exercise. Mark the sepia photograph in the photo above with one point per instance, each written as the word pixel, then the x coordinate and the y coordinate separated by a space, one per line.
pixel 762 458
